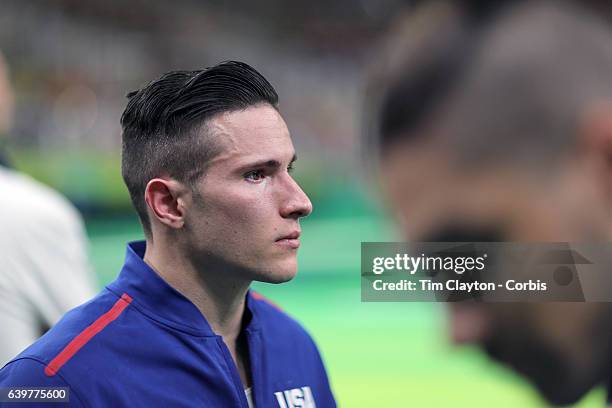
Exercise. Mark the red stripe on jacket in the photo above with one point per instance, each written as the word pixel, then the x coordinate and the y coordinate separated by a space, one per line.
pixel 79 341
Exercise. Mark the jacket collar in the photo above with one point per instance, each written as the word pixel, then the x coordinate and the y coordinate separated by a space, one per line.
pixel 153 296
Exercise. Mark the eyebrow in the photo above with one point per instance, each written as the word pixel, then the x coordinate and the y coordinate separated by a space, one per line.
pixel 271 164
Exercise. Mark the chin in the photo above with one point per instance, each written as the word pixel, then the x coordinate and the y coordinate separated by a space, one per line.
pixel 277 278
pixel 279 274
pixel 549 372
pixel 561 395
pixel 568 389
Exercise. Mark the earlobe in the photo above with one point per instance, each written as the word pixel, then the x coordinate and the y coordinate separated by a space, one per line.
pixel 163 199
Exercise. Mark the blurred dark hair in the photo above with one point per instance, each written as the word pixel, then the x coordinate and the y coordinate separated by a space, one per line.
pixel 423 58
pixel 538 71
pixel 164 123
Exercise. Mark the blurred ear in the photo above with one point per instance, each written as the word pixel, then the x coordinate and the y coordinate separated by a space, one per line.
pixel 595 130
pixel 595 142
pixel 166 199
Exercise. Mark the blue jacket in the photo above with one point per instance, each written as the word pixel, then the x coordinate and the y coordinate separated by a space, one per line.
pixel 140 343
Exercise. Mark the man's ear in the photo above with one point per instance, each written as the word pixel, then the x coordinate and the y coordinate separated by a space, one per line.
pixel 166 199
pixel 595 131
pixel 595 141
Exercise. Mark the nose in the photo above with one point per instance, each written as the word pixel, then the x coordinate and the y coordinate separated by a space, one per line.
pixel 296 203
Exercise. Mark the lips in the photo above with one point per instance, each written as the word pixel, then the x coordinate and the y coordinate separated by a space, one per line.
pixel 291 240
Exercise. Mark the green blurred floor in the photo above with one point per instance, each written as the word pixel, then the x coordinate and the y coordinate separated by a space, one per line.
pixel 377 354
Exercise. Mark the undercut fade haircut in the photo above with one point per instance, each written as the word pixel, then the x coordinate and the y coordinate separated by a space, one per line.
pixel 164 124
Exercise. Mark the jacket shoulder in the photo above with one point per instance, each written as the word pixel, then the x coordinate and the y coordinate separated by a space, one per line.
pixel 28 372
pixel 79 338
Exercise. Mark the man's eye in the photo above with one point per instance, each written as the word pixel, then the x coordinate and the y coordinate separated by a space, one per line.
pixel 255 175
pixel 290 168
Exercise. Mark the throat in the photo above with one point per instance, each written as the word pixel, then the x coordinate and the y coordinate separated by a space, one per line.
pixel 239 350
pixel 219 298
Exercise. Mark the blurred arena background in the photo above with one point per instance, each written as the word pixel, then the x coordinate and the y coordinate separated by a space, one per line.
pixel 72 62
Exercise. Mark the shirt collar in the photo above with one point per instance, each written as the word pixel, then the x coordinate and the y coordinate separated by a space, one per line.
pixel 160 301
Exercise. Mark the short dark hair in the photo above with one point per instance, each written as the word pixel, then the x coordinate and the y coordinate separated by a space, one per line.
pixel 164 122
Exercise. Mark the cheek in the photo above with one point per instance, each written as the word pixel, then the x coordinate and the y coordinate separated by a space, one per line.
pixel 238 211
pixel 569 325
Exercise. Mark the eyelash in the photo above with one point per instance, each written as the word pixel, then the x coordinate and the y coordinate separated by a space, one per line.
pixel 253 173
pixel 261 173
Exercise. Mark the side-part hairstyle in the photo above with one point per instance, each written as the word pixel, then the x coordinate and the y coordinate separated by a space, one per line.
pixel 164 123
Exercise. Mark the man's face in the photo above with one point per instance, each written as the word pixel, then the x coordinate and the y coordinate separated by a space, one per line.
pixel 244 217
pixel 563 348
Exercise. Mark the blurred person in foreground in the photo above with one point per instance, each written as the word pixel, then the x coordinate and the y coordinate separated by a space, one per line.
pixel 514 144
pixel 44 270
pixel 207 160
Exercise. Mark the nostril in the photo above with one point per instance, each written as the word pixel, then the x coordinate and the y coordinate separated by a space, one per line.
pixel 299 214
pixel 307 210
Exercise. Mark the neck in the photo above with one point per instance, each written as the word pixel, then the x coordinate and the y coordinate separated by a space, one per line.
pixel 218 295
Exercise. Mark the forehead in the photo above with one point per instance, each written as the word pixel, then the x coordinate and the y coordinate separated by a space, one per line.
pixel 250 134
